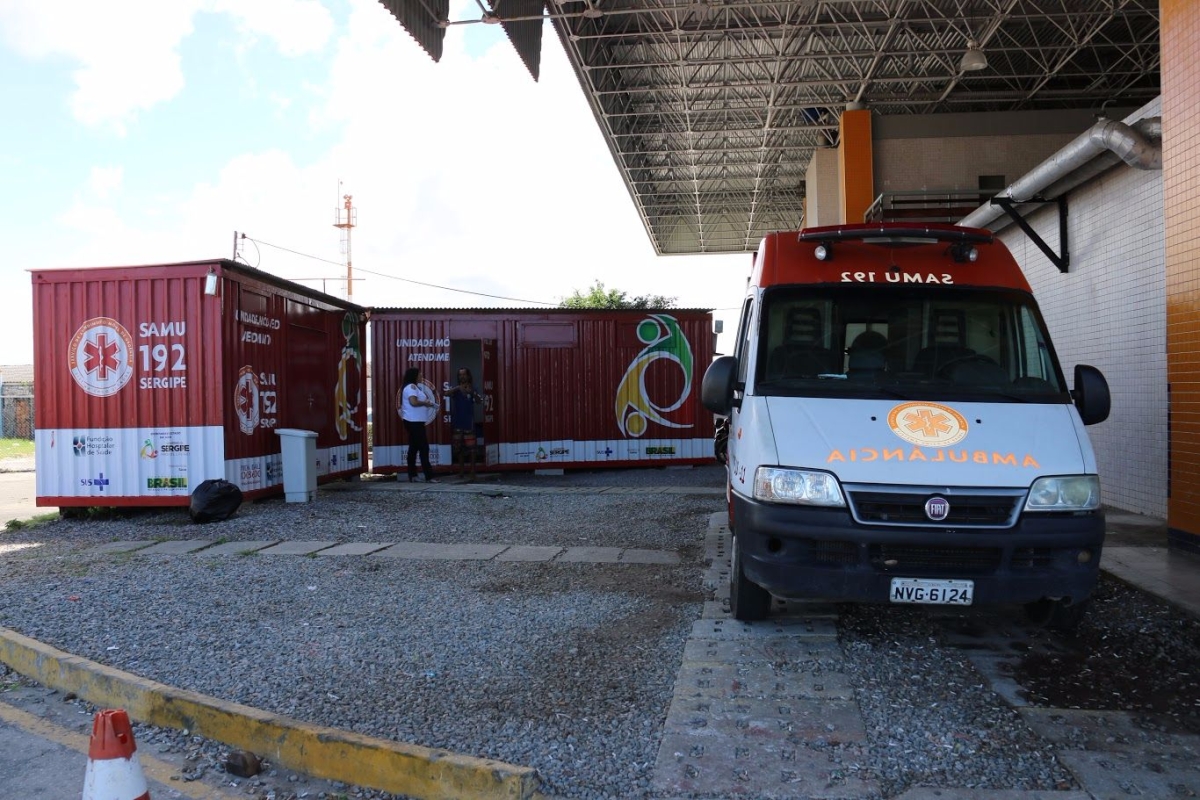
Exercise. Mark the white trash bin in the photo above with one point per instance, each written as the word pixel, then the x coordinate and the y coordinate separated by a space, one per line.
pixel 299 464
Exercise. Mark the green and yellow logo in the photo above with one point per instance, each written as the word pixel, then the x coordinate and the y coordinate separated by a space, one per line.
pixel 166 483
pixel 635 409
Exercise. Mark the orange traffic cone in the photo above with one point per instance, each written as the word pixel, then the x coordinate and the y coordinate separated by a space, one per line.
pixel 113 771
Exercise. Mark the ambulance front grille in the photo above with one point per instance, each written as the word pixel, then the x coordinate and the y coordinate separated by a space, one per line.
pixel 969 509
pixel 932 559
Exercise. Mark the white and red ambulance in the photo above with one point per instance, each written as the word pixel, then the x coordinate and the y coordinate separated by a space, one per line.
pixel 900 430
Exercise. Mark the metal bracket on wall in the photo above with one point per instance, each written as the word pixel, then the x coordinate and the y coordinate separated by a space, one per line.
pixel 1061 261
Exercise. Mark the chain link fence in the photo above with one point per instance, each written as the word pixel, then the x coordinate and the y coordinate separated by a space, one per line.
pixel 16 416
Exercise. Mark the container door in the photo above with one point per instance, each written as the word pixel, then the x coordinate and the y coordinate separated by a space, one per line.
pixel 486 416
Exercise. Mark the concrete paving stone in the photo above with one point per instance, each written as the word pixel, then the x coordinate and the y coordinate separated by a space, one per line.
pixel 716 579
pixel 930 793
pixel 1159 773
pixel 591 555
pixel 529 553
pixel 177 547
pixel 354 549
pixel 1107 731
pixel 719 681
pixel 238 548
pixel 716 609
pixel 995 669
pixel 779 650
pixel 714 765
pixel 109 548
pixel 636 556
pixel 433 551
pixel 804 719
pixel 733 629
pixel 295 548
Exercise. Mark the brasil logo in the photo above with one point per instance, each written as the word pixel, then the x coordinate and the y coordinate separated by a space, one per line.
pixel 635 408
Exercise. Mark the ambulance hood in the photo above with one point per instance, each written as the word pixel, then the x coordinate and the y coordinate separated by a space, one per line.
pixel 945 444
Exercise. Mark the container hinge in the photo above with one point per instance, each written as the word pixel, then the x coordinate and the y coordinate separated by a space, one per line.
pixel 1061 261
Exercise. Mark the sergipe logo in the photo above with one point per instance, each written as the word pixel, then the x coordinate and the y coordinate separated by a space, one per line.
pixel 635 410
pixel 148 451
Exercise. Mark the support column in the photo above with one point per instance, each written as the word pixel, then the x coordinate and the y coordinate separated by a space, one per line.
pixel 1180 42
pixel 856 165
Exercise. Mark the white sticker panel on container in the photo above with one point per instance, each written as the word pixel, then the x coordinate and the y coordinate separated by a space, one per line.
pixel 126 462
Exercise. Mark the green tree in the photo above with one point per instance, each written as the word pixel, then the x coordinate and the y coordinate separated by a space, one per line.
pixel 599 297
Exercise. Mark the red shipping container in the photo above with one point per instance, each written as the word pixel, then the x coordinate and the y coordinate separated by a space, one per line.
pixel 561 388
pixel 152 379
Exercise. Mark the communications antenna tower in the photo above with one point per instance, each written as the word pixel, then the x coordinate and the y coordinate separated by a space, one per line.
pixel 347 218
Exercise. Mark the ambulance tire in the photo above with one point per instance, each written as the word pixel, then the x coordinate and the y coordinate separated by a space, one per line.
pixel 1056 615
pixel 748 601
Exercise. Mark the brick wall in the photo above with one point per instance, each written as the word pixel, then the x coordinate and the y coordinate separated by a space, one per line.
pixel 955 163
pixel 1180 34
pixel 1109 311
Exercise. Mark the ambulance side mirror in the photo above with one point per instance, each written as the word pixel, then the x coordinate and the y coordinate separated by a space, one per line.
pixel 1091 394
pixel 716 391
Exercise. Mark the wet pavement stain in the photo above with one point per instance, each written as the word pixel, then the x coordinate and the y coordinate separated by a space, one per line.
pixel 1141 657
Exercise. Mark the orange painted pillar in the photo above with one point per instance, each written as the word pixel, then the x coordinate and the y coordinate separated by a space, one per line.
pixel 856 165
pixel 1180 41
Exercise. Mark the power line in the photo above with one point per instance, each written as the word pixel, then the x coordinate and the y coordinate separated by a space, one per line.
pixel 398 278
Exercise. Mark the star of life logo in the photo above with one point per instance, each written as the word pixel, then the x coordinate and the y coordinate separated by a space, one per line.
pixel 99 357
pixel 927 424
pixel 245 400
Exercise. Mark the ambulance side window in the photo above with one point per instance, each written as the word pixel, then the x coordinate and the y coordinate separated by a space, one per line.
pixel 742 352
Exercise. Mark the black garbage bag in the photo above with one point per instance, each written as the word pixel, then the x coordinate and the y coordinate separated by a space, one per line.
pixel 215 500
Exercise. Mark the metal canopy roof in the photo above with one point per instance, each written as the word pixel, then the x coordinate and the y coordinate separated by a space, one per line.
pixel 712 108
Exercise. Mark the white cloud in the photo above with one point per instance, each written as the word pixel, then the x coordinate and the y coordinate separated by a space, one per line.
pixel 127 51
pixel 104 181
pixel 465 174
pixel 297 27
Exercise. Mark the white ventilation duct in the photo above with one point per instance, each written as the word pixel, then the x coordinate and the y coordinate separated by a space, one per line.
pixel 1095 150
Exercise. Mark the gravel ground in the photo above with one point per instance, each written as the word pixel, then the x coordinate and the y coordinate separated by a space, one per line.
pixel 568 668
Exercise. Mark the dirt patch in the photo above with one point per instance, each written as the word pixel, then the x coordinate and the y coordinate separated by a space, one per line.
pixel 1132 653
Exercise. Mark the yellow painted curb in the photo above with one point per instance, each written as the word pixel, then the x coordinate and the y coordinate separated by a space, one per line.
pixel 153 768
pixel 315 750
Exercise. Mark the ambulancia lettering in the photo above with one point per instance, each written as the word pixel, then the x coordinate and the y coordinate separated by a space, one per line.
pixel 868 454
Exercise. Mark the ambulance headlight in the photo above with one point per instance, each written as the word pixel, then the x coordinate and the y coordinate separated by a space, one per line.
pixel 1064 493
pixel 800 486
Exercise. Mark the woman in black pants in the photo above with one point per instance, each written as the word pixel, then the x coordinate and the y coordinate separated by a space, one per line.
pixel 415 402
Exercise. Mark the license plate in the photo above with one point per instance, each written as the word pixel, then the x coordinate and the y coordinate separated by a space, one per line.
pixel 932 592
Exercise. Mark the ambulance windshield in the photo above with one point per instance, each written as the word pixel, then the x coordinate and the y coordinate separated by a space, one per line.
pixel 917 342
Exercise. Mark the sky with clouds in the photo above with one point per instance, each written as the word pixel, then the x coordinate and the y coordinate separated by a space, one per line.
pixel 142 131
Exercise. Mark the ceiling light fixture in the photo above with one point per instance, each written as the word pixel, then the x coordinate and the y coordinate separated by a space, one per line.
pixel 974 59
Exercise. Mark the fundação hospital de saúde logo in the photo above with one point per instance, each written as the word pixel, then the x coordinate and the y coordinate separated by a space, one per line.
pixel 634 408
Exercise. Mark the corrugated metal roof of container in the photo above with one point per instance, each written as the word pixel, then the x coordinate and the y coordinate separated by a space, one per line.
pixel 230 266
pixel 16 373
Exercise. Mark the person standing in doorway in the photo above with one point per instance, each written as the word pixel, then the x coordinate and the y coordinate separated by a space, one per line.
pixel 463 398
pixel 417 407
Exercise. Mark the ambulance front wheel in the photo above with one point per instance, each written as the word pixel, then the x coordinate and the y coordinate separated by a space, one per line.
pixel 748 601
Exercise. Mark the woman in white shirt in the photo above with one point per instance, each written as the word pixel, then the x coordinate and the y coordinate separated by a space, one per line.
pixel 418 406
